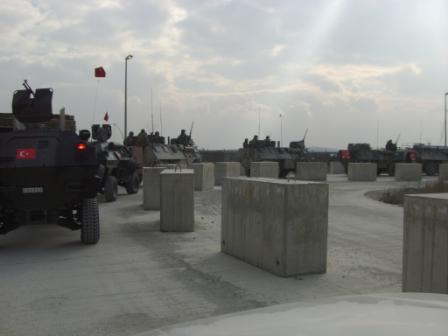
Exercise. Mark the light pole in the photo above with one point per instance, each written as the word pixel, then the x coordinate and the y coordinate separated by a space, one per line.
pixel 128 57
pixel 446 94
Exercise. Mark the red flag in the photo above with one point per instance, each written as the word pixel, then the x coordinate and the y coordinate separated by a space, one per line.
pixel 25 154
pixel 106 117
pixel 100 72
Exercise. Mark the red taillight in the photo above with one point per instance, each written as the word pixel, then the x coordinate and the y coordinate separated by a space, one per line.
pixel 412 157
pixel 81 147
pixel 345 154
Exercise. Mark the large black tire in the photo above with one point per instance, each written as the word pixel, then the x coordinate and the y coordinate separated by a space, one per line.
pixel 90 226
pixel 133 184
pixel 391 169
pixel 430 168
pixel 110 189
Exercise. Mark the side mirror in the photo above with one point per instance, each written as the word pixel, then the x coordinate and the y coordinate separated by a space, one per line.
pixel 84 135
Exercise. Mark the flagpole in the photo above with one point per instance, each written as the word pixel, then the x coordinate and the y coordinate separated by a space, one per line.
pixel 160 115
pixel 152 114
pixel 281 129
pixel 95 100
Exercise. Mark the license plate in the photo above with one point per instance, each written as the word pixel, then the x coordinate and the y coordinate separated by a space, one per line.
pixel 33 190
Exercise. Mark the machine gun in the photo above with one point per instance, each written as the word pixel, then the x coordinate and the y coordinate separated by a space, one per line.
pixel 30 106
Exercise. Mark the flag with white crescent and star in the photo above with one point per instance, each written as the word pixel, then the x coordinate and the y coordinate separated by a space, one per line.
pixel 25 153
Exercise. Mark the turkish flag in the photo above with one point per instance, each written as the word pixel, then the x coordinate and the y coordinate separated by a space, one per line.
pixel 25 154
pixel 106 117
pixel 100 72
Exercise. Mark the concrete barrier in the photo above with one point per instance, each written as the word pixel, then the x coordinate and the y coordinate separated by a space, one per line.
pixel 151 187
pixel 177 200
pixel 277 225
pixel 267 169
pixel 336 167
pixel 204 176
pixel 425 244
pixel 408 172
pixel 311 171
pixel 362 172
pixel 443 172
pixel 226 169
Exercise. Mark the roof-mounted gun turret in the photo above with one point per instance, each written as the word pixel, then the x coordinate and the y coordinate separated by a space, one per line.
pixel 30 106
pixel 101 133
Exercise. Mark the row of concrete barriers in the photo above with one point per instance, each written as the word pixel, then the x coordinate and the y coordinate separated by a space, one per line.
pixel 282 226
pixel 403 172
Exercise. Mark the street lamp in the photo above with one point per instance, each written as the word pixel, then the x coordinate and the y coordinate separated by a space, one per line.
pixel 128 57
pixel 446 94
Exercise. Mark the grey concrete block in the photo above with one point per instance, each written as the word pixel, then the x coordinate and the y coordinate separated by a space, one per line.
pixel 277 225
pixel 267 169
pixel 226 169
pixel 362 171
pixel 443 172
pixel 177 200
pixel 408 172
pixel 425 244
pixel 204 176
pixel 311 171
pixel 151 187
pixel 336 167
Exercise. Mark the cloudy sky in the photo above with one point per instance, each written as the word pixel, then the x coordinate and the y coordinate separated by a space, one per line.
pixel 347 70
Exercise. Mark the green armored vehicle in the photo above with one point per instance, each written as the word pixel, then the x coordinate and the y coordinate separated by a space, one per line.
pixel 257 150
pixel 152 149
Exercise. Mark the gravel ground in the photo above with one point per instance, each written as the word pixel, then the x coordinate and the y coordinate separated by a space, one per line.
pixel 137 278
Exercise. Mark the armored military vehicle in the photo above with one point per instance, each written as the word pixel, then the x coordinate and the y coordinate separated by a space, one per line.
pixel 153 150
pixel 47 174
pixel 117 166
pixel 257 150
pixel 186 144
pixel 429 156
pixel 384 158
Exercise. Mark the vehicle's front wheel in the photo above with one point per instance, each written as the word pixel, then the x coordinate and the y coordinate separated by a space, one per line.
pixel 90 226
pixel 430 168
pixel 391 169
pixel 110 189
pixel 133 184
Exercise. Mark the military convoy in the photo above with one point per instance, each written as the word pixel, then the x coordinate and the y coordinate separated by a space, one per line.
pixel 267 150
pixel 429 156
pixel 47 174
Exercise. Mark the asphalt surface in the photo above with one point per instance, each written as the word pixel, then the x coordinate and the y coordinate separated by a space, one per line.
pixel 138 278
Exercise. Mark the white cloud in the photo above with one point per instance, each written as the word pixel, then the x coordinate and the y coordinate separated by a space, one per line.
pixel 336 67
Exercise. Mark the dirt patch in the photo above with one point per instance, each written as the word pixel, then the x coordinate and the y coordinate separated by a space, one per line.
pixel 396 196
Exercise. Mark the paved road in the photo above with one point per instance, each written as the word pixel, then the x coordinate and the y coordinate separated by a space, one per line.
pixel 137 278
